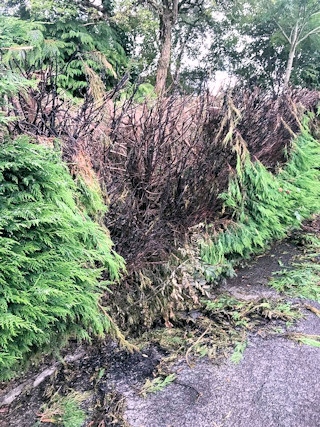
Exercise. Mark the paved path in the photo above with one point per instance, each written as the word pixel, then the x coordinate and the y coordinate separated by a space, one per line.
pixel 277 384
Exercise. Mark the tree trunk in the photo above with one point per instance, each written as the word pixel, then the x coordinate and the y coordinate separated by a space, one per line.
pixel 289 66
pixel 165 53
pixel 168 18
pixel 183 43
pixel 292 53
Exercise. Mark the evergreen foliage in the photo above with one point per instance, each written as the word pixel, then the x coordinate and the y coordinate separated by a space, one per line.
pixel 11 84
pixel 52 257
pixel 93 54
pixel 303 276
pixel 64 411
pixel 82 56
pixel 266 206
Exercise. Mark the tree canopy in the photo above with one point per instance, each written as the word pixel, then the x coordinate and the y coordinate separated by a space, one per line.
pixel 270 43
pixel 171 44
pixel 83 47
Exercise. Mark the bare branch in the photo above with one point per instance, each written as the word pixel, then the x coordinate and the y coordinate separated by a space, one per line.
pixel 283 32
pixel 314 31
pixel 175 9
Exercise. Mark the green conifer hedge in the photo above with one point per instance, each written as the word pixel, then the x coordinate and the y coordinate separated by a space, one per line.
pixel 52 256
pixel 266 206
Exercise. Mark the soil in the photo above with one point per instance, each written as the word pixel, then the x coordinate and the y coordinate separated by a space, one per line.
pixel 276 383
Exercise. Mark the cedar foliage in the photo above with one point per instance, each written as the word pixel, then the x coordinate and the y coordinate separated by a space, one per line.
pixel 266 206
pixel 82 57
pixel 52 257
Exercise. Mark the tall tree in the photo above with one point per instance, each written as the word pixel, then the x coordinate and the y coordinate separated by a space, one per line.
pixel 167 13
pixel 297 20
pixel 271 37
pixel 178 23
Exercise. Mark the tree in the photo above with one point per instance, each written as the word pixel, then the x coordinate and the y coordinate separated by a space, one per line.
pixel 59 8
pixel 273 41
pixel 192 34
pixel 167 13
pixel 180 23
pixel 302 20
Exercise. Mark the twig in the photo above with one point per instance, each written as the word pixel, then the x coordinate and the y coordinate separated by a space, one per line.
pixel 117 333
pixel 8 398
pixel 194 344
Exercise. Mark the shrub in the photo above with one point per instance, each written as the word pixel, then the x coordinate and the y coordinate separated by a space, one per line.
pixel 164 166
pixel 266 206
pixel 52 257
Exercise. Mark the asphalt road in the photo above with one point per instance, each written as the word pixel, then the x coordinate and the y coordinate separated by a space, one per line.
pixel 277 384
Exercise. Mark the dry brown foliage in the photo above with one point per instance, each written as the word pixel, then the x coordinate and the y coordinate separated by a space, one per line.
pixel 162 165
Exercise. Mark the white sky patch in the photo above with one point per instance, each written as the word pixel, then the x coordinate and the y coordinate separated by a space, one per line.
pixel 220 81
